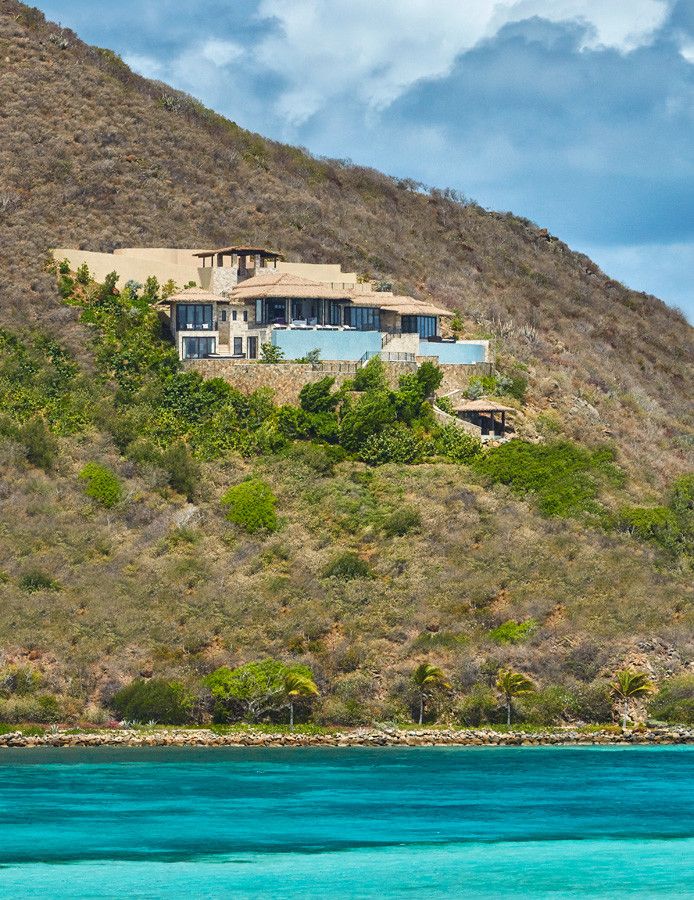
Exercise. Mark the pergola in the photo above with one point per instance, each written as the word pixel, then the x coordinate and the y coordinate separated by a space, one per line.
pixel 483 414
pixel 239 257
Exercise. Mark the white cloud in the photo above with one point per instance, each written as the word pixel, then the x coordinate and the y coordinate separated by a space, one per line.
pixel 326 49
pixel 221 52
pixel 144 65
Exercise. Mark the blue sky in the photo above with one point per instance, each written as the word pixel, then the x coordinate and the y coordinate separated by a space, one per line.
pixel 576 113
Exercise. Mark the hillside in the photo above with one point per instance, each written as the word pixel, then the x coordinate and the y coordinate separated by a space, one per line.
pixel 92 155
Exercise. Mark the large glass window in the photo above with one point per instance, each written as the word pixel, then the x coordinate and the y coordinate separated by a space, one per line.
pixel 425 326
pixel 198 347
pixel 194 316
pixel 259 312
pixel 238 346
pixel 364 318
pixel 334 315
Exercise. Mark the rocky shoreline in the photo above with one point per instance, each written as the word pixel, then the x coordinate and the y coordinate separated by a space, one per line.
pixel 359 737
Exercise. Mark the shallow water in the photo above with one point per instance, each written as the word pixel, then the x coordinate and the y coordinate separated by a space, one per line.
pixel 391 822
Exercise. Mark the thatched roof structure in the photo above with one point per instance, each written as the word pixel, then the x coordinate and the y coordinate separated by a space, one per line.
pixel 482 406
pixel 282 285
pixel 242 249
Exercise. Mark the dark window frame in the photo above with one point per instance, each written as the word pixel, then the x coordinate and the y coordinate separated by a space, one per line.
pixel 197 315
pixel 202 347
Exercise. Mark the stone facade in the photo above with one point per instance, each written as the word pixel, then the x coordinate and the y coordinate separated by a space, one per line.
pixel 457 375
pixel 284 379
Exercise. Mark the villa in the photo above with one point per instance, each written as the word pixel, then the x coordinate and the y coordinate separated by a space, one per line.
pixel 242 297
pixel 249 299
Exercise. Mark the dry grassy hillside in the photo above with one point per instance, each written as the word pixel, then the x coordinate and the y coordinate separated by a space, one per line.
pixel 95 156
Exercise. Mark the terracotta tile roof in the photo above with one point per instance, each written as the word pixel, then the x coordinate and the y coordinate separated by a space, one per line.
pixel 405 306
pixel 270 283
pixel 194 295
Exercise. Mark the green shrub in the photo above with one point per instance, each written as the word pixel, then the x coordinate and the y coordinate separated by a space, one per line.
pixel 44 709
pixel 457 445
pixel 371 414
pixel 438 640
pixel 251 506
pixel 396 444
pixel 182 470
pixel 372 376
pixel 430 376
pixel 651 523
pixel 318 397
pixel 318 459
pixel 41 446
pixel 549 706
pixel 563 477
pixel 479 707
pixel 513 632
pixel 20 680
pixel 82 275
pixel 103 485
pixel 347 566
pixel 402 521
pixel 35 580
pixel 674 701
pixel 593 702
pixel 167 702
pixel 446 405
pixel 293 422
pixel 271 354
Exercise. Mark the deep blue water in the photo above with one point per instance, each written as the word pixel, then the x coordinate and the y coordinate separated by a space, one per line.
pixel 419 822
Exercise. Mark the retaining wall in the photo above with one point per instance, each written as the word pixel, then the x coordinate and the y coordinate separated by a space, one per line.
pixel 287 379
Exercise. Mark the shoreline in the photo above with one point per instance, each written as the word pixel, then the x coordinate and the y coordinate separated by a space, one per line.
pixel 358 737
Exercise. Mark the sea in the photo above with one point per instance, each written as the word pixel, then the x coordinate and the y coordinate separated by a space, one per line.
pixel 479 822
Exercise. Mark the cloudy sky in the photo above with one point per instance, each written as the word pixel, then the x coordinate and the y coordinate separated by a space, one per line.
pixel 576 113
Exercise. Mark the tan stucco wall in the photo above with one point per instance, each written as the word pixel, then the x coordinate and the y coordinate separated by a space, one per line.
pixel 177 256
pixel 138 263
pixel 329 273
pixel 128 267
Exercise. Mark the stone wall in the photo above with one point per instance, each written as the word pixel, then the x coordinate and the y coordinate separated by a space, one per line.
pixel 285 379
pixel 457 375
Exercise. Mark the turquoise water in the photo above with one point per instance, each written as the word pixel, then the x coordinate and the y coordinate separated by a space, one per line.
pixel 310 823
pixel 460 352
pixel 334 345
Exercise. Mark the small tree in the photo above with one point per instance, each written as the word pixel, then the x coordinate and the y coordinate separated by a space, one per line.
pixel 372 377
pixel 512 684
pixel 298 685
pixel 318 397
pixel 428 680
pixel 255 689
pixel 630 685
pixel 271 354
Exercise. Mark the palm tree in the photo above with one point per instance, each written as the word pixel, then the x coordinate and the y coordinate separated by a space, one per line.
pixel 427 679
pixel 629 684
pixel 512 684
pixel 296 684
